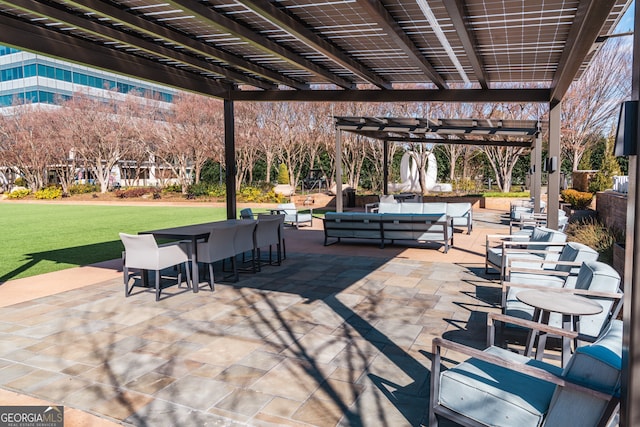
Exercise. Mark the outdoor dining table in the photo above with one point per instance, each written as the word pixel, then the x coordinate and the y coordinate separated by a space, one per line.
pixel 191 233
pixel 570 306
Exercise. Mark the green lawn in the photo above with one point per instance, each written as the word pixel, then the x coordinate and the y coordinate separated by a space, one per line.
pixel 39 238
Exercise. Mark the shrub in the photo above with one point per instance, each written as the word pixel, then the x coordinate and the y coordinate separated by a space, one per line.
pixel 250 194
pixel 603 179
pixel 83 189
pixel 131 193
pixel 20 182
pixel 172 188
pixel 283 174
pixel 19 193
pixel 464 185
pixel 49 193
pixel 596 235
pixel 577 199
pixel 519 194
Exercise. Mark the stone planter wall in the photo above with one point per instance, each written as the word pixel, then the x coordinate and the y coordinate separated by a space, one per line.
pixel 612 209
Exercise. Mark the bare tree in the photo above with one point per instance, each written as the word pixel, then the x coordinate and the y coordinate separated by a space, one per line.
pixel 504 158
pixel 592 101
pixel 253 139
pixel 199 120
pixel 22 134
pixel 59 143
pixel 102 131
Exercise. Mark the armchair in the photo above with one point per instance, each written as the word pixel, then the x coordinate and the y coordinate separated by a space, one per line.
pixel 553 274
pixel 526 222
pixel 293 217
pixel 543 244
pixel 141 252
pixel 596 280
pixel 247 213
pixel 497 387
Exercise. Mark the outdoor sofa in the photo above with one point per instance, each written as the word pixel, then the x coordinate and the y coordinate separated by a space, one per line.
pixel 461 213
pixel 428 227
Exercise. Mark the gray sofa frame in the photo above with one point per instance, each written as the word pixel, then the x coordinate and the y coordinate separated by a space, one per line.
pixel 433 228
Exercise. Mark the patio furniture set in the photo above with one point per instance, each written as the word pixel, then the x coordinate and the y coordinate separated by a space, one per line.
pixel 207 244
pixel 550 288
pixel 419 222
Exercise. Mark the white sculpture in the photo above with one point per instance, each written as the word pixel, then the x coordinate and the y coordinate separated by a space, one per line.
pixel 410 178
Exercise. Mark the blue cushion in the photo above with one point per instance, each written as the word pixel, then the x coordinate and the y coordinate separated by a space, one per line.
pixel 497 396
pixel 598 366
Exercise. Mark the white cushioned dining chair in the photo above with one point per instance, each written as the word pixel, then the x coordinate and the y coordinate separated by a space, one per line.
pixel 244 241
pixel 141 252
pixel 219 247
pixel 268 234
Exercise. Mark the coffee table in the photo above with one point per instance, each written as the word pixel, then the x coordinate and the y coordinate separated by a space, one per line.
pixel 569 305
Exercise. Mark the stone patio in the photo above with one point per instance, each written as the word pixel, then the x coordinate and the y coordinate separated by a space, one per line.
pixel 335 336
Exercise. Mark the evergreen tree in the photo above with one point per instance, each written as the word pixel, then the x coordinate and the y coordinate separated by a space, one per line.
pixel 283 174
pixel 603 179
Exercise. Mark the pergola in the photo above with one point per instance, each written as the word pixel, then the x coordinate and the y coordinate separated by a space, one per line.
pixel 415 130
pixel 348 51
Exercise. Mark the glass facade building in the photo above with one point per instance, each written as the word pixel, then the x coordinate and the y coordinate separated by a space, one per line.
pixel 33 78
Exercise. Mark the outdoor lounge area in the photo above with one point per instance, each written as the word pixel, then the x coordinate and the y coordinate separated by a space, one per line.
pixel 347 334
pixel 337 335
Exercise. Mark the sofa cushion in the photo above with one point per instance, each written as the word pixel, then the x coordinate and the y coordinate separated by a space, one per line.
pixel 434 208
pixel 389 207
pixel 411 208
pixel 459 210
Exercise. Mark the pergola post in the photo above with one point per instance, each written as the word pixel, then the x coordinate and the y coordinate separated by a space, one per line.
pixel 553 183
pixel 338 170
pixel 536 176
pixel 630 393
pixel 385 167
pixel 230 158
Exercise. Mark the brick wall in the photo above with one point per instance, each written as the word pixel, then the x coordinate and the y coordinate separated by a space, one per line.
pixel 612 209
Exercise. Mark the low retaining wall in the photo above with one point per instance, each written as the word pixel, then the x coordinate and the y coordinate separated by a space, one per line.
pixel 612 209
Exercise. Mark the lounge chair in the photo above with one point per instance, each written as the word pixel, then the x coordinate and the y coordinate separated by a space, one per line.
pixel 293 217
pixel 552 274
pixel 543 244
pixel 595 280
pixel 497 387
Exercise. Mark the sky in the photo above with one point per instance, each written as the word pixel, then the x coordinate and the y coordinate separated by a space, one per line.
pixel 626 23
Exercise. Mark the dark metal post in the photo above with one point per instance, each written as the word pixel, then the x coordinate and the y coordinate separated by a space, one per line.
pixel 230 158
pixel 553 184
pixel 630 398
pixel 385 167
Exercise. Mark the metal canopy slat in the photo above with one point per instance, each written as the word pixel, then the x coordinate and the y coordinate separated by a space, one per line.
pixel 263 47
